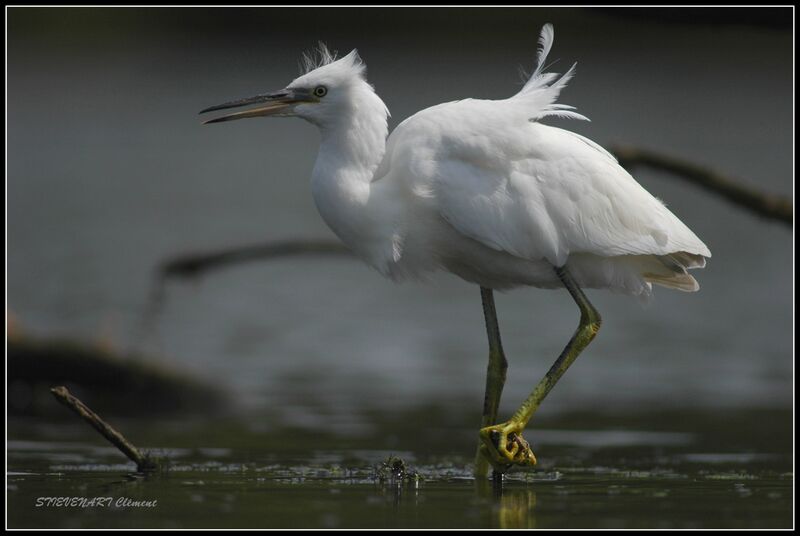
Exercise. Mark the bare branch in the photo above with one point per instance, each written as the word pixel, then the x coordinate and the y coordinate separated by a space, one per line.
pixel 764 204
pixel 196 264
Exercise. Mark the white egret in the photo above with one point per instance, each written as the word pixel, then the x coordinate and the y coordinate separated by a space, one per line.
pixel 484 190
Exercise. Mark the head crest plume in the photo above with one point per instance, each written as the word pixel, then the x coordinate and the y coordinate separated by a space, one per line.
pixel 321 56
pixel 316 57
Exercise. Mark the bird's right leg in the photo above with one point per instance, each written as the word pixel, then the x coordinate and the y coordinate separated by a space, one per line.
pixel 495 377
pixel 503 442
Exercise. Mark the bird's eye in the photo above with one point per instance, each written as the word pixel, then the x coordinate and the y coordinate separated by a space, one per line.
pixel 320 91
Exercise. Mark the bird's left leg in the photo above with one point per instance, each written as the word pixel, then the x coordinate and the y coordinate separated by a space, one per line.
pixel 503 442
pixel 495 376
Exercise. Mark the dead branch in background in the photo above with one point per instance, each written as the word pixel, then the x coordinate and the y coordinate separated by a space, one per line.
pixel 195 264
pixel 764 204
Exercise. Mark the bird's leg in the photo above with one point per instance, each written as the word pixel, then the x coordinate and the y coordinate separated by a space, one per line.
pixel 503 442
pixel 495 376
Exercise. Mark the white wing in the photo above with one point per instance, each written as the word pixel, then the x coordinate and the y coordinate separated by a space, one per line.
pixel 564 196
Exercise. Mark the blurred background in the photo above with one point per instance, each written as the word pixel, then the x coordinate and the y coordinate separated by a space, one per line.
pixel 109 172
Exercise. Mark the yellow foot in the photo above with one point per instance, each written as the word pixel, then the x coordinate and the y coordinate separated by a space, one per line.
pixel 504 446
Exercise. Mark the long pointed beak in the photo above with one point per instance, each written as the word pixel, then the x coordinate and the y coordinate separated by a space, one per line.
pixel 273 104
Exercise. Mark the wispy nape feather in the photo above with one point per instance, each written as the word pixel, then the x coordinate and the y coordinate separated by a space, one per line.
pixel 322 58
pixel 542 89
pixel 316 58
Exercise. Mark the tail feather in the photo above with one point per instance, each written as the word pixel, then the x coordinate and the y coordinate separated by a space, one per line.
pixel 688 260
pixel 674 271
pixel 683 282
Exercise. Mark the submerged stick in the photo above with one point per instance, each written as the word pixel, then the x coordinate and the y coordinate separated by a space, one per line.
pixel 195 264
pixel 144 463
pixel 768 205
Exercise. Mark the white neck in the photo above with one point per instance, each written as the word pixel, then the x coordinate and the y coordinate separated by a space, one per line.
pixel 351 150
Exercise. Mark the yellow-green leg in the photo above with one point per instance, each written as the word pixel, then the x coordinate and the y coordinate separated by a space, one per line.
pixel 495 375
pixel 503 442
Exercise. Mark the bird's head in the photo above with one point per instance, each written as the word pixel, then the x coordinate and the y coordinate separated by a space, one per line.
pixel 326 92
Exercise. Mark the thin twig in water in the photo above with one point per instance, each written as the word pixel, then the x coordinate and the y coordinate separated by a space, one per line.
pixel 144 463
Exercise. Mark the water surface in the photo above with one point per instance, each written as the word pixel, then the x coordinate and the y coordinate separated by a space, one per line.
pixel 680 470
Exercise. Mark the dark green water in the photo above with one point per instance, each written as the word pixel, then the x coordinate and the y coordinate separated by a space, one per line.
pixel 669 470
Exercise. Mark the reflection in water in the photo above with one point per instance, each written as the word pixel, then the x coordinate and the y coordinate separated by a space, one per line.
pixel 396 482
pixel 131 484
pixel 511 508
pixel 516 509
pixel 400 493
